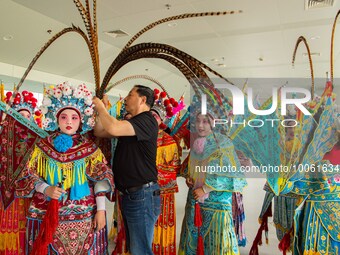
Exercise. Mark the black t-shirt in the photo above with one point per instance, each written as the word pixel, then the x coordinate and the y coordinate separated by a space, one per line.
pixel 134 161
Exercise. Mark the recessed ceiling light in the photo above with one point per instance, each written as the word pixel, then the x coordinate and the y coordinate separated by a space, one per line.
pixel 315 37
pixel 8 37
pixel 172 24
pixel 116 33
pixel 221 65
pixel 214 59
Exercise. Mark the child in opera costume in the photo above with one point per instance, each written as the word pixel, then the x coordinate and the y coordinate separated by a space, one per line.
pixel 208 225
pixel 13 211
pixel 168 166
pixel 68 168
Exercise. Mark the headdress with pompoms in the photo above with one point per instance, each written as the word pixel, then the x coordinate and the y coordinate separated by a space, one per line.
pixel 166 107
pixel 65 96
pixel 23 101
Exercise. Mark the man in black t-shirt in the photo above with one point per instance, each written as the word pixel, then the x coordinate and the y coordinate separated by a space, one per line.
pixel 134 165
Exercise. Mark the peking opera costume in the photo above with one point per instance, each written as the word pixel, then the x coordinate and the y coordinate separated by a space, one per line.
pixel 208 224
pixel 316 219
pixel 168 166
pixel 309 194
pixel 73 163
pixel 13 211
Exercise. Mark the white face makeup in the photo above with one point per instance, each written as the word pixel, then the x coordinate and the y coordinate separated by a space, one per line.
pixel 69 121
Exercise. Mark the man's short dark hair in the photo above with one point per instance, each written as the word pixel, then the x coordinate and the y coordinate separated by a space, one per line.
pixel 147 92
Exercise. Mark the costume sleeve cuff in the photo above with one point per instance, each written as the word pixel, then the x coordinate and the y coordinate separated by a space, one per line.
pixel 102 186
pixel 206 189
pixel 100 201
pixel 41 186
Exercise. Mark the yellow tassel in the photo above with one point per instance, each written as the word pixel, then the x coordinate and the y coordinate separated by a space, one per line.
pixel 2 93
pixel 49 167
pixel 2 242
pixel 9 241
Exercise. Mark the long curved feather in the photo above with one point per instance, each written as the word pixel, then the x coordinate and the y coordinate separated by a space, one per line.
pixel 299 40
pixel 48 44
pixel 156 47
pixel 176 17
pixel 138 76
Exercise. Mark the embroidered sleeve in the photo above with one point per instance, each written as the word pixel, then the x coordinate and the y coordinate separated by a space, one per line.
pixel 100 201
pixel 25 185
pixel 99 172
pixel 41 187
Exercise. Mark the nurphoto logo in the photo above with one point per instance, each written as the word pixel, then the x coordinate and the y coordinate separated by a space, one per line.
pixel 238 100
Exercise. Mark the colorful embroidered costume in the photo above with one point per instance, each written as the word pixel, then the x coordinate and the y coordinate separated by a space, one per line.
pixel 84 166
pixel 13 210
pixel 238 207
pixel 317 225
pixel 78 166
pixel 312 182
pixel 216 207
pixel 316 220
pixel 168 164
pixel 284 204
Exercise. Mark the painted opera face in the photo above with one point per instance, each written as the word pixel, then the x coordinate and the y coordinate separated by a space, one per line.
pixel 69 121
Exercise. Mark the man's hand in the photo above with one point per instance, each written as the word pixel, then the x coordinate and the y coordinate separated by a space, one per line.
pixel 98 104
pixel 99 220
pixel 54 192
pixel 106 101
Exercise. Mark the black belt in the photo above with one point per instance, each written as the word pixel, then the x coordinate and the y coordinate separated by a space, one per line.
pixel 134 189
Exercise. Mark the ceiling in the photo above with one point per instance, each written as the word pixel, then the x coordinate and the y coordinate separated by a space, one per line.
pixel 258 42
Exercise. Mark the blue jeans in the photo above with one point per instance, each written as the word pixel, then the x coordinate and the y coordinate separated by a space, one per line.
pixel 140 210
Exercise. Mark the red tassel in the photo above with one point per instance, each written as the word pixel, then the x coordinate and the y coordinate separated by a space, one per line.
pixel 198 216
pixel 47 229
pixel 200 246
pixel 198 223
pixel 254 250
pixel 284 244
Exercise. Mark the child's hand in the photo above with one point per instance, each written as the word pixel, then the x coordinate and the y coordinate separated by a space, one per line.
pixel 199 192
pixel 99 220
pixel 54 192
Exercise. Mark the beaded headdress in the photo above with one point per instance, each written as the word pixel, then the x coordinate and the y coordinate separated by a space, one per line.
pixel 166 107
pixel 65 96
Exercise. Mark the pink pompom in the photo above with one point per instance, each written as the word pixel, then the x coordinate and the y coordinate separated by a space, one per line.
pixel 198 145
